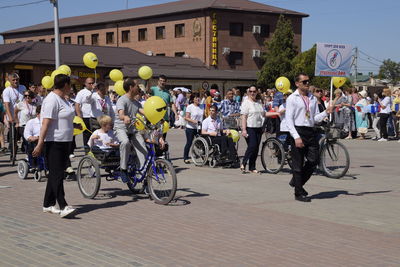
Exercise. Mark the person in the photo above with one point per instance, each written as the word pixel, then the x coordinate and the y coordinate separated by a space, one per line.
pixel 237 95
pixel 208 102
pixel 375 118
pixel 24 111
pixel 12 95
pixel 100 104
pixel 104 137
pixel 31 134
pixel 301 114
pixel 127 108
pixel 83 108
pixel 395 110
pixel 253 114
pixel 229 107
pixel 193 116
pixel 212 127
pixel 113 97
pixel 3 148
pixel 41 94
pixel 319 93
pixel 361 115
pixel 162 91
pixel 55 135
pixel 384 113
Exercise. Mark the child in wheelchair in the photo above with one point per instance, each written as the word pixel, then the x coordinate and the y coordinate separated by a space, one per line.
pixel 212 127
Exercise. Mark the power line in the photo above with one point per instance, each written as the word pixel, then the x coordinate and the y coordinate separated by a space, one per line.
pixel 370 57
pixel 25 4
pixel 372 63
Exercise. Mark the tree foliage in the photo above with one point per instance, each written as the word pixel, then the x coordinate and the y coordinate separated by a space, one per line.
pixel 280 51
pixel 390 70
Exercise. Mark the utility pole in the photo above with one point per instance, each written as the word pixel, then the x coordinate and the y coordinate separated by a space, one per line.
pixel 56 33
pixel 356 65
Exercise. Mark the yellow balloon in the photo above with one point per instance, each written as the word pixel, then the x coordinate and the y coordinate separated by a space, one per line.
pixel 282 84
pixel 165 127
pixel 7 84
pixel 234 135
pixel 116 75
pixel 55 73
pixel 145 72
pixel 90 60
pixel 65 69
pixel 47 82
pixel 339 81
pixel 78 120
pixel 119 88
pixel 155 109
pixel 139 123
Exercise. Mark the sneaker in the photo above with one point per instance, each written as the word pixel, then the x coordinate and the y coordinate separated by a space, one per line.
pixel 375 138
pixel 52 209
pixel 71 156
pixel 382 140
pixel 68 210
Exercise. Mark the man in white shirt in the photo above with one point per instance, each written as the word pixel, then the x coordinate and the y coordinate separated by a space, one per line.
pixel 83 108
pixel 301 114
pixel 100 104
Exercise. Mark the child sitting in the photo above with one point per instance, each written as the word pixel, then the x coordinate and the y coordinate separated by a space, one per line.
pixel 104 137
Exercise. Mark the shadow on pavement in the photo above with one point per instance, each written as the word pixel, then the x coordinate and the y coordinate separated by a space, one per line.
pixel 91 207
pixel 179 169
pixel 333 194
pixel 193 193
pixel 6 173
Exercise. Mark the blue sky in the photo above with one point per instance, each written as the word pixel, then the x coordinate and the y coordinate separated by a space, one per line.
pixel 370 25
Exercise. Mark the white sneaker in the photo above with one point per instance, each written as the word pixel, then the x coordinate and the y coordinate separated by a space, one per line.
pixel 67 211
pixel 52 209
pixel 382 140
pixel 69 170
pixel 71 156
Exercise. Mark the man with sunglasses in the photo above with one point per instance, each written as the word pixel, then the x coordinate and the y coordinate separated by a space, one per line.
pixel 301 115
pixel 12 95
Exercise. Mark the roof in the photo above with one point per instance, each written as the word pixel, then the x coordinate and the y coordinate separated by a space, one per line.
pixel 159 10
pixel 129 60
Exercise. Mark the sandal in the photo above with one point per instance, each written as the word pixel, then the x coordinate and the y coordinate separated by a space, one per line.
pixel 243 169
pixel 255 171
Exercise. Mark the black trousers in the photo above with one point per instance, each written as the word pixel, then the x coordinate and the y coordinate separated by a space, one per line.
pixel 383 118
pixel 253 144
pixel 226 145
pixel 302 170
pixel 190 134
pixel 56 154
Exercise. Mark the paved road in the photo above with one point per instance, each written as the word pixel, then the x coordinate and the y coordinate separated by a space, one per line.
pixel 220 218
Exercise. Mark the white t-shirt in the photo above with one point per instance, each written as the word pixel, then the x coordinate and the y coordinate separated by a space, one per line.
pixel 32 128
pixel 100 106
pixel 255 113
pixel 211 126
pixel 387 101
pixel 62 114
pixel 104 139
pixel 196 113
pixel 13 96
pixel 83 98
pixel 26 112
pixel 283 126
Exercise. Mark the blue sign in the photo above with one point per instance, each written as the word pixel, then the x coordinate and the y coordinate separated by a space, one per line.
pixel 333 60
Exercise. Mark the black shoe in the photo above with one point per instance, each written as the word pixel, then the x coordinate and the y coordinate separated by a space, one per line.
pixel 291 183
pixel 302 198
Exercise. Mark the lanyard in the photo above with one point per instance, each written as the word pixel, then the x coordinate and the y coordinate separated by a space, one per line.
pixel 16 93
pixel 103 104
pixel 30 111
pixel 306 102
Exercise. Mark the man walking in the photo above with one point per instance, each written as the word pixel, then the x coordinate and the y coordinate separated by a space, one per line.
pixel 301 114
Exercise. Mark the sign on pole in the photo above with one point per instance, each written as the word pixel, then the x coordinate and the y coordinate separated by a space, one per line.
pixel 333 60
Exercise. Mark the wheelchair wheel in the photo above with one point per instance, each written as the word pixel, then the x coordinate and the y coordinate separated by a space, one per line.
pixel 199 151
pixel 161 181
pixel 272 155
pixel 37 175
pixel 88 176
pixel 22 169
pixel 212 163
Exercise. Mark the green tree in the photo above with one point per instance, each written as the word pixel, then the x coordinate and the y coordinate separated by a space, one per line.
pixel 280 51
pixel 390 70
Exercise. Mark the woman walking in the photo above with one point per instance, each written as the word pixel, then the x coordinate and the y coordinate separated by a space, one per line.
pixel 361 115
pixel 385 112
pixel 55 135
pixel 194 116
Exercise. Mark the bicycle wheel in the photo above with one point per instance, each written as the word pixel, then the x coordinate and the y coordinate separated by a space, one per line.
pixel 199 151
pixel 13 146
pixel 335 159
pixel 272 155
pixel 88 176
pixel 161 181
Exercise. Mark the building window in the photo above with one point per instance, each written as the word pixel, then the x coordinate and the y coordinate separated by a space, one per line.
pixel 160 55
pixel 179 54
pixel 235 29
pixel 42 40
pixel 95 39
pixel 160 32
pixel 179 30
pixel 81 40
pixel 235 58
pixel 264 30
pixel 109 37
pixel 142 34
pixel 67 40
pixel 53 40
pixel 126 36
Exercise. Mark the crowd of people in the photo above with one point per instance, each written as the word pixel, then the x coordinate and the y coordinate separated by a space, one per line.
pixel 44 122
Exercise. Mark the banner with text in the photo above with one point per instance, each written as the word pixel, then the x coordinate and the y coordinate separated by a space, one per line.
pixel 333 60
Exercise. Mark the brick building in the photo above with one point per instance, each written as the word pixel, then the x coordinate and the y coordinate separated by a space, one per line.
pixel 223 34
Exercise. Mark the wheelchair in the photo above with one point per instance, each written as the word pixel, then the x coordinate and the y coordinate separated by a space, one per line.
pixel 25 166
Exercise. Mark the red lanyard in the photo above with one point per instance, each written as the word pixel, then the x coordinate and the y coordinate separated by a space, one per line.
pixel 103 104
pixel 306 102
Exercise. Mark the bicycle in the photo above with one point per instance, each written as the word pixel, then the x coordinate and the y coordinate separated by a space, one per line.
pixel 157 174
pixel 334 157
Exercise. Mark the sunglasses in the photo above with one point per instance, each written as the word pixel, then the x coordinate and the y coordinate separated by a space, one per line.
pixel 90 83
pixel 161 109
pixel 305 82
pixel 252 91
pixel 318 91
pixel 28 96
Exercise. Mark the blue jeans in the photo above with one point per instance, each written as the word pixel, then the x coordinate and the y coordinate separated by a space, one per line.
pixel 190 134
pixel 253 144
